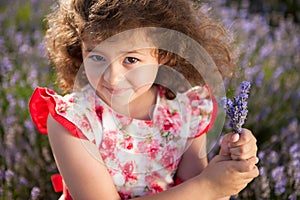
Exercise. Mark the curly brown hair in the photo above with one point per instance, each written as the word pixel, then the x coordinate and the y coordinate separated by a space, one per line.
pixel 73 21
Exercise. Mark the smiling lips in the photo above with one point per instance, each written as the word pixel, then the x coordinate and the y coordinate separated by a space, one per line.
pixel 114 91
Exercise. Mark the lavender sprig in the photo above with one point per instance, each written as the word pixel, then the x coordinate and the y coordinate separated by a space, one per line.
pixel 236 109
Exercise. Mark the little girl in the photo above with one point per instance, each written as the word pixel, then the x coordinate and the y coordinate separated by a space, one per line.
pixel 133 124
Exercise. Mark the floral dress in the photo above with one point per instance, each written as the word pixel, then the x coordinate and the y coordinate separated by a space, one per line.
pixel 142 156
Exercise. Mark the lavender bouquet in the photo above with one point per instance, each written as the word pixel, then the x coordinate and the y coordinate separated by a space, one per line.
pixel 236 109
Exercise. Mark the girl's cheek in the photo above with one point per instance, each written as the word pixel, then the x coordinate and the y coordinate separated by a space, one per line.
pixel 94 77
pixel 143 75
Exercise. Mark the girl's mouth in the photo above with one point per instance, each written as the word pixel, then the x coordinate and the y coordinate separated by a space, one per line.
pixel 116 91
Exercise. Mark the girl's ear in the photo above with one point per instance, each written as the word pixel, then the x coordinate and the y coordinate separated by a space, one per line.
pixel 163 59
pixel 161 56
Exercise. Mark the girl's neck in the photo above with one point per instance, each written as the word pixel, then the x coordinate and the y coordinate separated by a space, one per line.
pixel 142 107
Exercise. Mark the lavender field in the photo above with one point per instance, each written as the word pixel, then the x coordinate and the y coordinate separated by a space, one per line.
pixel 270 60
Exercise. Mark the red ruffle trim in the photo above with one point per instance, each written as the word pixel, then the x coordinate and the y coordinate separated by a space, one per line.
pixel 41 104
pixel 60 186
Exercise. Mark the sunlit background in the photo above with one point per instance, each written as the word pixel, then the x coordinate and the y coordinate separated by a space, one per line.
pixel 267 37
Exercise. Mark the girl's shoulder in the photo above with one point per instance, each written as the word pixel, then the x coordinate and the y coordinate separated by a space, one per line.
pixel 198 93
pixel 71 110
pixel 195 109
pixel 202 108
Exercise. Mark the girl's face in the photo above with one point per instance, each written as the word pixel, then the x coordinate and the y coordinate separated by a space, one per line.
pixel 121 69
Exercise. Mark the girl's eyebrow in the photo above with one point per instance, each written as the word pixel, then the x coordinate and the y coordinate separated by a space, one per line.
pixel 91 50
pixel 94 50
pixel 133 51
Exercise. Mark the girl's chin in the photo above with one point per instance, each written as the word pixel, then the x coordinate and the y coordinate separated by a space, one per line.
pixel 117 100
pixel 124 97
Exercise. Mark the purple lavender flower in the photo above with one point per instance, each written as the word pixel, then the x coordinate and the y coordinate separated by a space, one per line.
pixel 9 174
pixel 280 180
pixel 236 109
pixel 35 192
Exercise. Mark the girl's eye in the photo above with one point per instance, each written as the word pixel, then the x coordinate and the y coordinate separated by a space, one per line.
pixel 130 60
pixel 97 58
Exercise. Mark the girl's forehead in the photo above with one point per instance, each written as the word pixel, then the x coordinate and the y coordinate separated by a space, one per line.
pixel 125 41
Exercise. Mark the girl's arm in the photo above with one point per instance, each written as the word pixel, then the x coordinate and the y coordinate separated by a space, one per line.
pixel 86 176
pixel 80 164
pixel 194 160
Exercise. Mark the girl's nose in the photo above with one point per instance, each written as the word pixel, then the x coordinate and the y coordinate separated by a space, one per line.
pixel 114 74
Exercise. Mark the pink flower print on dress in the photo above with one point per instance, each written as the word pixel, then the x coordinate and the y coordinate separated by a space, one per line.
pixel 149 147
pixel 145 124
pixel 125 194
pixel 168 122
pixel 200 102
pixel 151 178
pixel 99 112
pixel 155 188
pixel 202 126
pixel 71 99
pixel 193 96
pixel 195 109
pixel 125 121
pixel 206 106
pixel 128 143
pixel 169 159
pixel 127 171
pixel 142 147
pixel 108 145
pixel 195 101
pixel 84 124
pixel 61 106
pixel 153 149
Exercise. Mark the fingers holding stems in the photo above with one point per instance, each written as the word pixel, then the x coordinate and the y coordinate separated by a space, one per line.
pixel 244 147
pixel 235 174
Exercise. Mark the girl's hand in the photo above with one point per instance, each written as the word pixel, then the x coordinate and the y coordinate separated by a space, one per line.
pixel 226 177
pixel 239 147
